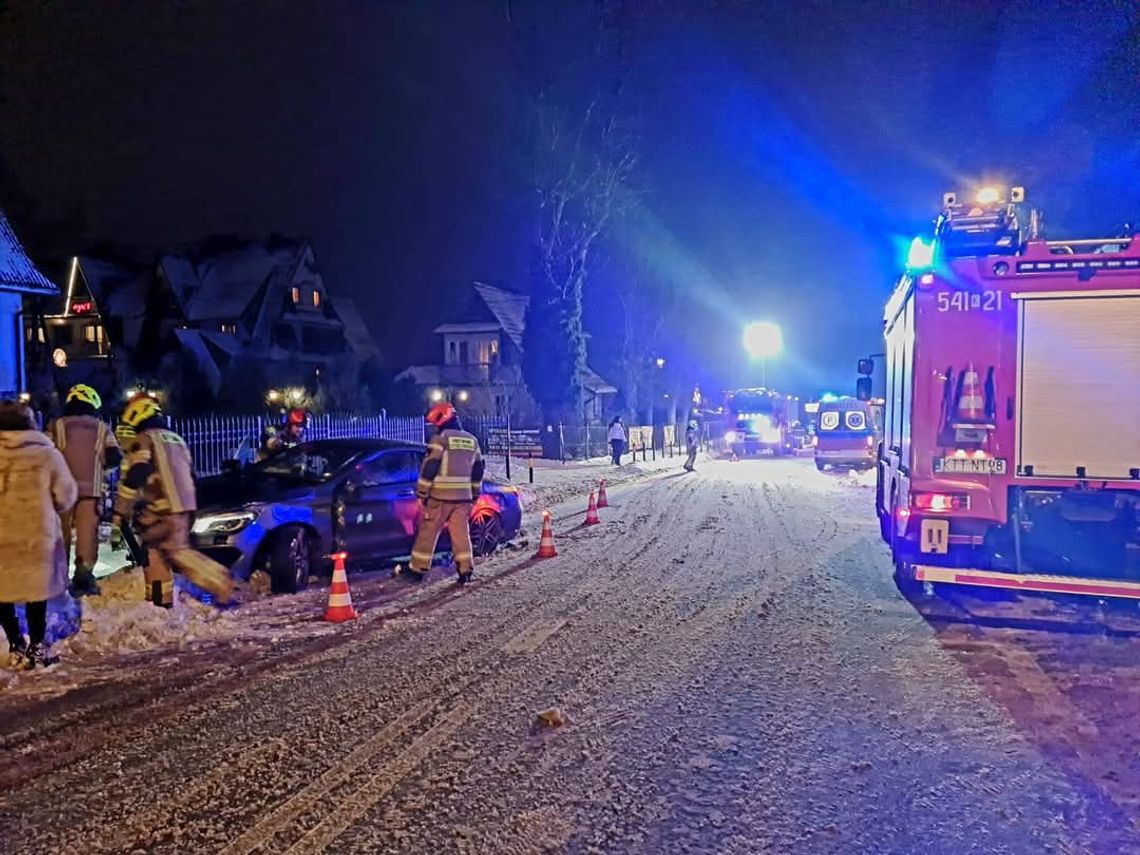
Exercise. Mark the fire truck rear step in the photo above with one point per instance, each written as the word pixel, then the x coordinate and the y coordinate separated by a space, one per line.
pixel 1028 582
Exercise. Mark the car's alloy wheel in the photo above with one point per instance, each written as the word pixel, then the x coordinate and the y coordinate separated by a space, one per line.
pixel 291 560
pixel 486 532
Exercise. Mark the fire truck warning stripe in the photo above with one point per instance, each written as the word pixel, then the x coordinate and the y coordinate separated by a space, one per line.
pixel 1046 584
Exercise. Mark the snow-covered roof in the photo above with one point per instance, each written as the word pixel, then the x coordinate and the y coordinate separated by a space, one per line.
pixel 119 291
pixel 595 383
pixel 421 375
pixel 355 331
pixel 17 273
pixel 195 344
pixel 507 307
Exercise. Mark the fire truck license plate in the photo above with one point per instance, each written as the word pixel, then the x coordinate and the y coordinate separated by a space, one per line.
pixel 968 466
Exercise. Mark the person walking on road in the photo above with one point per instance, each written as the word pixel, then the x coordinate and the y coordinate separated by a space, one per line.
pixel 451 479
pixel 90 449
pixel 691 444
pixel 36 487
pixel 159 486
pixel 617 440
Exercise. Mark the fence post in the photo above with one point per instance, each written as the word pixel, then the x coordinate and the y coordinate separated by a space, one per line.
pixel 508 445
pixel 530 465
pixel 561 445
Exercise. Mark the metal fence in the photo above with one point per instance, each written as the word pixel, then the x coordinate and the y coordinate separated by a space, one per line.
pixel 216 439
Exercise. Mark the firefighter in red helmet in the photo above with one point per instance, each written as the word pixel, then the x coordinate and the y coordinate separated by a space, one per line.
pixel 278 438
pixel 451 479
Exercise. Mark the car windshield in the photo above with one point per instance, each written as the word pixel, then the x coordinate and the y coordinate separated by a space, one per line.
pixel 309 463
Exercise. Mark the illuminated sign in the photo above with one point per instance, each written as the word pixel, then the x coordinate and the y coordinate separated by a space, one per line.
pixel 83 307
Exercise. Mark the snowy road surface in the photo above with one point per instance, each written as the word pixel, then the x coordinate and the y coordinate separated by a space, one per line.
pixel 732 667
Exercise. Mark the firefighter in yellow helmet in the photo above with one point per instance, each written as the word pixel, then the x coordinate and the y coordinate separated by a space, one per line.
pixel 450 481
pixel 157 491
pixel 90 448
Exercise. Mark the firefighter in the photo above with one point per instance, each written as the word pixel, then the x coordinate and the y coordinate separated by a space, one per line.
pixel 450 481
pixel 691 444
pixel 157 492
pixel 281 437
pixel 89 447
pixel 124 435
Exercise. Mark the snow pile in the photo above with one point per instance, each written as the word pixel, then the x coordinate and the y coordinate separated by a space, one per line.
pixel 855 478
pixel 122 621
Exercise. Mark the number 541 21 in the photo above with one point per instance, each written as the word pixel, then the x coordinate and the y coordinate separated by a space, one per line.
pixel 969 301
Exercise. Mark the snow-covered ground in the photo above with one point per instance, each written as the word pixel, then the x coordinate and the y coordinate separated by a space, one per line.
pixel 732 671
pixel 119 629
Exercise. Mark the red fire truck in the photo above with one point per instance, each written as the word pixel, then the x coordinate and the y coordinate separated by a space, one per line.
pixel 1011 448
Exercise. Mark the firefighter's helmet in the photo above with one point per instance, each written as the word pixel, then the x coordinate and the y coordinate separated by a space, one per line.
pixel 139 409
pixel 296 417
pixel 86 395
pixel 440 414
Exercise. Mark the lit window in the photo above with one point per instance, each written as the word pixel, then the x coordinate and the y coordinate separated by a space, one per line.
pixel 229 328
pixel 296 295
pixel 494 347
pixel 40 335
pixel 89 333
pixel 316 298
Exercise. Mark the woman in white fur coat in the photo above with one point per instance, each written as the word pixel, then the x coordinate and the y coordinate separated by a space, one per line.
pixel 35 488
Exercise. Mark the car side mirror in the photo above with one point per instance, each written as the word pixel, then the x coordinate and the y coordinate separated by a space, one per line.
pixel 863 388
pixel 866 367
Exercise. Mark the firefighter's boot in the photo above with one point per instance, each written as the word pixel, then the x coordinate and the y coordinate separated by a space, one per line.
pixel 83 583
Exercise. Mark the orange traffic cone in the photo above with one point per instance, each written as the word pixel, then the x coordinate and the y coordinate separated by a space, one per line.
pixel 971 404
pixel 340 600
pixel 592 517
pixel 546 545
pixel 603 502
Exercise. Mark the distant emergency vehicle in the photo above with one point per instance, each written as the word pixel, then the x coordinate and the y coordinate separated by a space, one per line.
pixel 759 421
pixel 846 434
pixel 1011 448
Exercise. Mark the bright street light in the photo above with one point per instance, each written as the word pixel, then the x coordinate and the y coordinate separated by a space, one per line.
pixel 763 340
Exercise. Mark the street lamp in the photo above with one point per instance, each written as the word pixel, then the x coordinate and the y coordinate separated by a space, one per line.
pixel 763 340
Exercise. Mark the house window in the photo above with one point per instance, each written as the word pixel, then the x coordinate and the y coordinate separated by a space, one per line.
pixel 296 295
pixel 89 333
pixel 462 353
pixel 40 335
pixel 229 328
pixel 316 299
pixel 451 353
pixel 494 348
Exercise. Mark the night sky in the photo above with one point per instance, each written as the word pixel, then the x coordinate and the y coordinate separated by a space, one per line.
pixel 788 149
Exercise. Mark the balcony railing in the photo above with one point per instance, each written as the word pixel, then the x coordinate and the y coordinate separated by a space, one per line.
pixel 478 373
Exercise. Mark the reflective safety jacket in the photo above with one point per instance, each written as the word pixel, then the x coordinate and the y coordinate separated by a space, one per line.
pixel 159 475
pixel 453 468
pixel 88 446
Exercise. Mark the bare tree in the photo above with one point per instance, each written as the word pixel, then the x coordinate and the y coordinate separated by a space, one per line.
pixel 583 157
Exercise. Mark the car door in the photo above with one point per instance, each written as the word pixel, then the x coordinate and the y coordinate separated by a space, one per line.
pixel 380 506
